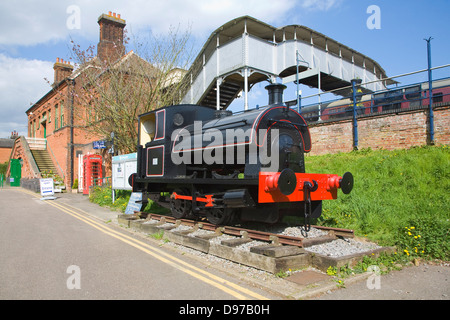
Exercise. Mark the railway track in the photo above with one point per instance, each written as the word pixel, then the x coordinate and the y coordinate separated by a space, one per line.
pixel 332 233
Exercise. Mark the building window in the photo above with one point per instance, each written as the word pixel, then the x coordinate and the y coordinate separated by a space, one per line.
pixel 438 97
pixel 62 115
pixel 50 116
pixel 56 117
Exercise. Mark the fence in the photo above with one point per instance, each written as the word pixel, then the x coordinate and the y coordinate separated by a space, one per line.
pixel 410 95
pixel 359 106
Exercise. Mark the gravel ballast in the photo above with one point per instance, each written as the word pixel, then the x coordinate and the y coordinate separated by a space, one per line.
pixel 337 248
pixel 342 247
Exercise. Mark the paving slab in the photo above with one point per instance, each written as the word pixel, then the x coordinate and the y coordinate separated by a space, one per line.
pixel 308 277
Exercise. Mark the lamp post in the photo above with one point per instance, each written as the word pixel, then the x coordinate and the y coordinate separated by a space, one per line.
pixel 430 92
pixel 299 108
pixel 111 150
pixel 355 83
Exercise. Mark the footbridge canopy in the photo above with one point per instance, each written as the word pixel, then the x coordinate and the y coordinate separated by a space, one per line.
pixel 245 51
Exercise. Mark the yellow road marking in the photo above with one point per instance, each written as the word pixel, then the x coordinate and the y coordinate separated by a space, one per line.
pixel 181 265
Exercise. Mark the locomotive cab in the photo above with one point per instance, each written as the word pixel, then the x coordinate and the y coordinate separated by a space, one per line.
pixel 154 137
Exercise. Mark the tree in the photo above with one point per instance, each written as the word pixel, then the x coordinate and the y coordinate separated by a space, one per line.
pixel 113 93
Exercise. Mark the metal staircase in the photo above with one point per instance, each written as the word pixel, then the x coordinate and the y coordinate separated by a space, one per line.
pixel 228 92
pixel 245 51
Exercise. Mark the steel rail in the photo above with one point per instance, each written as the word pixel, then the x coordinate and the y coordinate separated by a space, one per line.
pixel 256 234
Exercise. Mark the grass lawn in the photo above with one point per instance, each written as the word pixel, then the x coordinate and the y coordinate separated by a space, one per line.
pixel 400 197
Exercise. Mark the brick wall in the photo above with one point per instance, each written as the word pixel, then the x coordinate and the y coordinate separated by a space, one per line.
pixel 4 154
pixel 389 131
pixel 442 125
pixel 57 146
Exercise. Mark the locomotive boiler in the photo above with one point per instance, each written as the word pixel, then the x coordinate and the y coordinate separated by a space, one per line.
pixel 201 162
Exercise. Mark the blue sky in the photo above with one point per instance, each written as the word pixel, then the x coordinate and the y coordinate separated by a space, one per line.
pixel 34 33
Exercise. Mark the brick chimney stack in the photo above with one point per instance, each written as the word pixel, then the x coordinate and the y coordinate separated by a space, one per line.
pixel 110 47
pixel 63 69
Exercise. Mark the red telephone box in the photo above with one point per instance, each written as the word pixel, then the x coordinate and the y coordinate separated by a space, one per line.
pixel 92 169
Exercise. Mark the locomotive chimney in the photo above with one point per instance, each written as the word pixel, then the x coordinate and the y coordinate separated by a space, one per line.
pixel 275 93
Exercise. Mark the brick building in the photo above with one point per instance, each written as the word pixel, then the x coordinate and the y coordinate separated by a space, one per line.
pixel 5 149
pixel 57 133
pixel 6 146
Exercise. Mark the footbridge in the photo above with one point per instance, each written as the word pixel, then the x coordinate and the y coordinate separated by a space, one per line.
pixel 245 51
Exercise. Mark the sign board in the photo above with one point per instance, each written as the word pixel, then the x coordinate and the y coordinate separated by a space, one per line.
pixel 100 144
pixel 122 167
pixel 47 189
pixel 133 205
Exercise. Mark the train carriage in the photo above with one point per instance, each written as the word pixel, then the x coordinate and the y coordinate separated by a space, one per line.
pixel 397 99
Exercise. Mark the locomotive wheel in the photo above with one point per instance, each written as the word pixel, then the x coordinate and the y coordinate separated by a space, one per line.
pixel 180 208
pixel 219 216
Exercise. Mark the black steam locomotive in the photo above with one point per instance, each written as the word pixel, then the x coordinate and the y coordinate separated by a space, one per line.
pixel 201 162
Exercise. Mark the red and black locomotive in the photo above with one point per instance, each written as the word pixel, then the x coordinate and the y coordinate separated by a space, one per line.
pixel 201 162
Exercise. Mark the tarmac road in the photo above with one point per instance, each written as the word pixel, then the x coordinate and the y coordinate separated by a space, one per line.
pixel 50 251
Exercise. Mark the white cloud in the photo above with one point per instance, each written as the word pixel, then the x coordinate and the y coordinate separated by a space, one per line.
pixel 21 84
pixel 6 128
pixel 322 5
pixel 31 22
pixel 206 16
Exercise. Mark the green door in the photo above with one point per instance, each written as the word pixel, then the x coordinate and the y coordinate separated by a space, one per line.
pixel 16 173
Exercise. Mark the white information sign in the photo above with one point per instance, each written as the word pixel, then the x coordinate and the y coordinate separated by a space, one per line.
pixel 122 167
pixel 47 189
